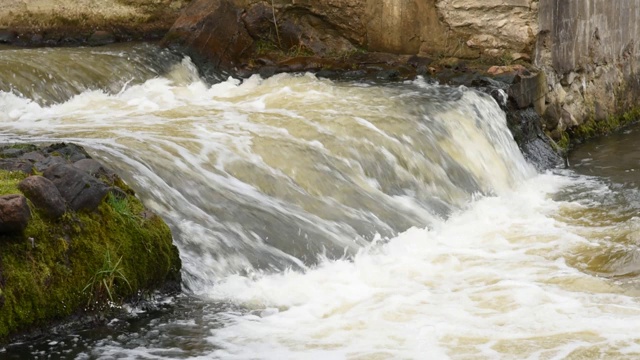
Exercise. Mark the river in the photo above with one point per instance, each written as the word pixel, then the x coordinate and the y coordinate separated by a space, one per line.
pixel 341 220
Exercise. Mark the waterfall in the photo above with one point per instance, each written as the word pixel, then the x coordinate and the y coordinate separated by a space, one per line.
pixel 322 219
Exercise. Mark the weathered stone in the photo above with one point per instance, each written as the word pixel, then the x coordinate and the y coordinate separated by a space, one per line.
pixel 525 125
pixel 520 56
pixel 80 191
pixel 307 31
pixel 36 39
pixel 101 37
pixel 70 152
pixel 388 75
pixel 33 156
pixel 92 167
pixel 211 30
pixel 14 213
pixel 267 71
pixel 24 166
pixel 551 117
pixel 499 70
pixel 44 195
pixel 11 152
pixel 450 62
pixel 7 36
pixel 527 89
pixel 588 48
pixel 258 20
pixel 48 162
pixel 536 147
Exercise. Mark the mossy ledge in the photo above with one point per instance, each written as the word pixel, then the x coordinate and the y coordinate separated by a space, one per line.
pixel 594 128
pixel 83 262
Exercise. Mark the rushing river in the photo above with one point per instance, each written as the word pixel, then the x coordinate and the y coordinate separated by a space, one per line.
pixel 341 220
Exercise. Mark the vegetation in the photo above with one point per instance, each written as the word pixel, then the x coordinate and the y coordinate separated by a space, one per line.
pixel 593 128
pixel 106 281
pixel 67 266
pixel 275 23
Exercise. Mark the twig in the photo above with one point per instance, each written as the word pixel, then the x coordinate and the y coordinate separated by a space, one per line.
pixel 275 23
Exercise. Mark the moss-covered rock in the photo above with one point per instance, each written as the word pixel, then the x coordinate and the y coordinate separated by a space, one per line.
pixel 83 261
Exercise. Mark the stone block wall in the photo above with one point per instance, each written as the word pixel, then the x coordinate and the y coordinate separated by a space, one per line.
pixel 587 49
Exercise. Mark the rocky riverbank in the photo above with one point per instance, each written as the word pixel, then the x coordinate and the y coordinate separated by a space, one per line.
pixel 583 50
pixel 74 238
pixel 85 22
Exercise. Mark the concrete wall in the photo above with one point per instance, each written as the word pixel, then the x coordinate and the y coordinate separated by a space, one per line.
pixel 589 51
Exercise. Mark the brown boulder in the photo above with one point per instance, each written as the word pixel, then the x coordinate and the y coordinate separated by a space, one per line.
pixel 211 30
pixel 44 195
pixel 14 213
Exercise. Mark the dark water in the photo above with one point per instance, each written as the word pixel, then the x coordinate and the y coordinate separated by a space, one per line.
pixel 615 157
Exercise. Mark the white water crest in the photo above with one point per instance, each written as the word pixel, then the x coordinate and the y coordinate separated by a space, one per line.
pixel 357 221
pixel 492 281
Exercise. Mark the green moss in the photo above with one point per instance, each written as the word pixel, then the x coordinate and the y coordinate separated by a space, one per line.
pixel 9 181
pixel 45 270
pixel 563 143
pixel 594 128
pixel 264 47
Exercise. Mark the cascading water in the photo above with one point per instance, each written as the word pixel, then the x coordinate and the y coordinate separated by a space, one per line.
pixel 334 220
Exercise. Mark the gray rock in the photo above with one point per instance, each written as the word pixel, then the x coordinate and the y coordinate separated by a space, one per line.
pixel 37 39
pixel 70 152
pixel 529 89
pixel 12 152
pixel 388 75
pixel 92 167
pixel 49 162
pixel 16 165
pixel 14 213
pixel 44 194
pixel 33 156
pixel 80 191
pixel 7 36
pixel 16 150
pixel 101 37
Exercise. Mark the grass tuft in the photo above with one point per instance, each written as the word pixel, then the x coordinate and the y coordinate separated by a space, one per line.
pixel 105 281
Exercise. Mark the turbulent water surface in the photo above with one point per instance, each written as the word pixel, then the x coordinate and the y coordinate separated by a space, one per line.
pixel 324 220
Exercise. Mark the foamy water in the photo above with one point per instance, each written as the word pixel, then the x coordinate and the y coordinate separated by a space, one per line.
pixel 353 221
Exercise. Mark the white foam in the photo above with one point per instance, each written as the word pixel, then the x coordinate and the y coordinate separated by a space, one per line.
pixel 490 280
pixel 495 280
